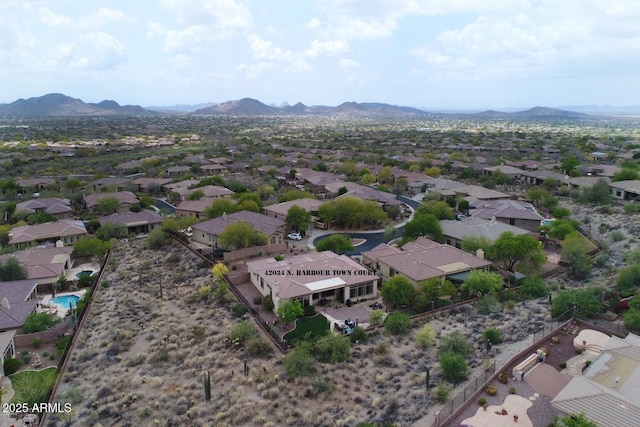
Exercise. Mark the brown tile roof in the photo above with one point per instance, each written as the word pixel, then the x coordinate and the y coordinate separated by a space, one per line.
pixel 129 219
pixel 49 204
pixel 47 230
pixel 123 197
pixel 263 223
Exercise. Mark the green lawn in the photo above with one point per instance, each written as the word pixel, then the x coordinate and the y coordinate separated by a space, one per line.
pixel 316 326
pixel 32 386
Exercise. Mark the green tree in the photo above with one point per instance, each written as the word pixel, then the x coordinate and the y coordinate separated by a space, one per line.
pixel 569 163
pixel 196 195
pixel 220 206
pixel 533 287
pixel 491 335
pixel 337 243
pixel 298 219
pixel 561 228
pixel 218 271
pixel 511 249
pixel 576 420
pixel 239 235
pixel 398 290
pixel 430 290
pixel 91 246
pixel 376 317
pixel 72 184
pixel 625 174
pixel 367 179
pixel 300 363
pixel 599 194
pixel 111 230
pixel 628 278
pixel 156 239
pixel 38 322
pixel 423 225
pixel 472 243
pixel 296 194
pixel 578 262
pixel 332 349
pixel 454 366
pixel 289 310
pixel 108 205
pixel 11 270
pixel 482 282
pixel 390 233
pixel 439 209
pixel 398 323
pixel 455 342
pixel 586 301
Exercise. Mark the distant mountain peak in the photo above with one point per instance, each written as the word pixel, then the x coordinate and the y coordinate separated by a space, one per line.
pixel 57 104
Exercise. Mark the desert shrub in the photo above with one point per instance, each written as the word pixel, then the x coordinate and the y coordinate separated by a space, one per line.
pixel 221 293
pixel 453 365
pixel 238 309
pixel 159 356
pixel 174 258
pixel 258 347
pixel 332 349
pixel 322 385
pixel 61 345
pixel 563 365
pixel 198 331
pixel 36 342
pixel 533 287
pixel 491 390
pixel 631 208
pixel 425 337
pixel 156 239
pixel 482 401
pixel 455 342
pixel 309 311
pixel 376 317
pixel 441 392
pixel 381 349
pixel 616 235
pixel 358 335
pixel 10 366
pixel 512 390
pixel 398 323
pixel 105 284
pixel 242 332
pixel 267 302
pixel 299 363
pixel 37 322
pixel 278 257
pixel 491 335
pixel 487 304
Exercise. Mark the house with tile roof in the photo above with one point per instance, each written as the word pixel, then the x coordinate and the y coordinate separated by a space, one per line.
pixel 607 391
pixel 40 184
pixel 455 232
pixel 18 299
pixel 44 265
pixel 126 200
pixel 136 222
pixel 280 210
pixel 209 191
pixel 421 260
pixel 207 232
pixel 58 207
pixel 111 182
pixel 67 231
pixel 625 190
pixel 312 277
pixel 7 348
pixel 518 214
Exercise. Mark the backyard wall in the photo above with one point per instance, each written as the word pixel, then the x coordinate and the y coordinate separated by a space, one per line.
pixel 52 335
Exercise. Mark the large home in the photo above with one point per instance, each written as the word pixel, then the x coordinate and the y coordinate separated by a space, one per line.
pixel 210 191
pixel 7 348
pixel 537 177
pixel 207 232
pixel 151 185
pixel 510 171
pixel 126 200
pixel 333 190
pixel 112 183
pixel 519 214
pixel 18 299
pixel 67 231
pixel 313 277
pixel 280 210
pixel 195 208
pixel 39 184
pixel 45 265
pixel 423 259
pixel 60 208
pixel 607 391
pixel 136 222
pixel 456 231
pixel 625 190
pixel 448 189
pixel 585 181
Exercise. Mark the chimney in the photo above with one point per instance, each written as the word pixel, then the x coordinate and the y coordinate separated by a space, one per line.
pixel 5 303
pixel 480 253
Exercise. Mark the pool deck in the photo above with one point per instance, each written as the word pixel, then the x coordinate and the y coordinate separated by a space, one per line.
pixel 46 306
pixel 72 274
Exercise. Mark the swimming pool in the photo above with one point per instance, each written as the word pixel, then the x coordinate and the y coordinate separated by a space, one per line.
pixel 84 273
pixel 65 300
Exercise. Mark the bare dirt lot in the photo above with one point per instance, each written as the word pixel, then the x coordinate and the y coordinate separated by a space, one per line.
pixel 140 362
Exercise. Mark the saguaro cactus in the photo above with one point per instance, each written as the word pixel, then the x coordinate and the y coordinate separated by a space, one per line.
pixel 207 386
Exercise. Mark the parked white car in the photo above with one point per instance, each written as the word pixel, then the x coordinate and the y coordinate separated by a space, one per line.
pixel 294 236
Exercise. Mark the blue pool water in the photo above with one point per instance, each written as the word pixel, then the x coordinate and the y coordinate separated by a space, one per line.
pixel 65 300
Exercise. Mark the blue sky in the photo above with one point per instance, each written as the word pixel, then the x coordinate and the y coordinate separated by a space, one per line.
pixel 437 54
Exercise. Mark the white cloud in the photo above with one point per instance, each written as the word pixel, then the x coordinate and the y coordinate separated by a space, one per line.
pixel 327 47
pixel 255 70
pixel 264 49
pixel 105 52
pixel 155 29
pixel 54 19
pixel 102 16
pixel 346 63
pixel 313 24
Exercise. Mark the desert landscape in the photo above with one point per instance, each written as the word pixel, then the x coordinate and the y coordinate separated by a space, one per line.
pixel 141 358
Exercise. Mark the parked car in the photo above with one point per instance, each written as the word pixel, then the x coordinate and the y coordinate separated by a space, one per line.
pixel 350 323
pixel 294 236
pixel 343 329
pixel 377 305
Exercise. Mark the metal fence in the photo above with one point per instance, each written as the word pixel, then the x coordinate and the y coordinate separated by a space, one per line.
pixel 459 400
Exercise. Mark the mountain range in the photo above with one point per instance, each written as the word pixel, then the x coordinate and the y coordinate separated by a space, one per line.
pixel 59 105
